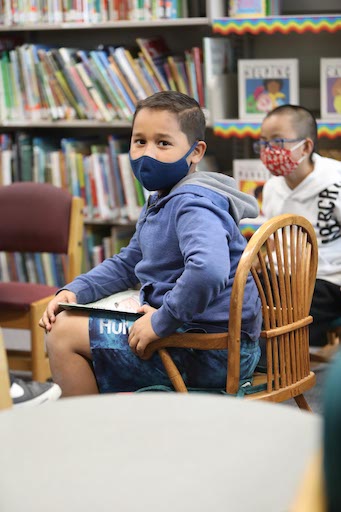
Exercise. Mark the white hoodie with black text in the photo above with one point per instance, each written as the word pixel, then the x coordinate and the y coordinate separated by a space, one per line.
pixel 318 198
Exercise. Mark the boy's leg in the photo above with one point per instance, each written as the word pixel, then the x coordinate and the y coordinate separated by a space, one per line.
pixel 68 347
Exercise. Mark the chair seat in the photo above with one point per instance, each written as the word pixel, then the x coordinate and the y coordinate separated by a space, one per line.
pixel 17 296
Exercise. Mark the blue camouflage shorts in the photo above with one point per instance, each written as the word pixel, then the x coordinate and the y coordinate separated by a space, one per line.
pixel 118 369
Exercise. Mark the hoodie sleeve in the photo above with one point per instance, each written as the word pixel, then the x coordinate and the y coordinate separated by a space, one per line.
pixel 113 275
pixel 204 231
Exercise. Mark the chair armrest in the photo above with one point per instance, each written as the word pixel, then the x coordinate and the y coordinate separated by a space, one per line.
pixel 199 341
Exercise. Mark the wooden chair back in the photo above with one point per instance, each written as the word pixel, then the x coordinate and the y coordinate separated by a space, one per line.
pixel 282 256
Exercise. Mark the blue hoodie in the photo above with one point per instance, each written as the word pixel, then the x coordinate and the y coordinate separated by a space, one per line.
pixel 184 252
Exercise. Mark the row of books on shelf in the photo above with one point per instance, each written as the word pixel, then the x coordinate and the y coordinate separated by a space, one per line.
pixel 50 268
pixel 45 268
pixel 95 11
pixel 104 84
pixel 96 169
pixel 98 246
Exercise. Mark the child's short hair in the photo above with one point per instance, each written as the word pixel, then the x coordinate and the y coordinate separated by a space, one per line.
pixel 303 121
pixel 188 111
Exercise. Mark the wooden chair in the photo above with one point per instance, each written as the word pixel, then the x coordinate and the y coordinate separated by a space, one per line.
pixel 5 398
pixel 285 294
pixel 36 217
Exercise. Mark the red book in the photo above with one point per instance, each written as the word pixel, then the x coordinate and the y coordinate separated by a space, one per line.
pixel 197 57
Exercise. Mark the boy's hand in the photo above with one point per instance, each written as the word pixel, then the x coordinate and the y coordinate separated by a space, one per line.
pixel 141 332
pixel 49 315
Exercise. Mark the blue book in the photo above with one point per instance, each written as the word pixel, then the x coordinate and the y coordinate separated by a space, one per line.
pixel 117 84
pixel 108 87
pixel 113 150
pixel 39 268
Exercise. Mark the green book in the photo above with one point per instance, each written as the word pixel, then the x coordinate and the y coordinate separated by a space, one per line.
pixel 25 153
pixel 7 84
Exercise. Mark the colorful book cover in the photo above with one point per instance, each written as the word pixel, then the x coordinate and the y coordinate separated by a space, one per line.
pixel 330 87
pixel 247 8
pixel 264 84
pixel 250 176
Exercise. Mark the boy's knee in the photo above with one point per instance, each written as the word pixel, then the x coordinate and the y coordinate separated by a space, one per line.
pixel 69 334
pixel 57 338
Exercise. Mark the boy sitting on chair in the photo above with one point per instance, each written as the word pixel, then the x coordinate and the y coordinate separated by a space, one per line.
pixel 309 185
pixel 184 254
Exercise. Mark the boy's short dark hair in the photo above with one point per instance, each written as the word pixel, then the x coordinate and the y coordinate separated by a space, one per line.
pixel 303 121
pixel 188 111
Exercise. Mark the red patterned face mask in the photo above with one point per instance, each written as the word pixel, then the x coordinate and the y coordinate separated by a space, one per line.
pixel 279 160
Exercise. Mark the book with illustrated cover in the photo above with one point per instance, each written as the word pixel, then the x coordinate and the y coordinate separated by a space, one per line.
pixel 250 176
pixel 247 8
pixel 330 87
pixel 127 301
pixel 264 84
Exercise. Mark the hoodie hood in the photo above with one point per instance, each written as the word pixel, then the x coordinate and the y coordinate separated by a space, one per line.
pixel 241 205
pixel 326 172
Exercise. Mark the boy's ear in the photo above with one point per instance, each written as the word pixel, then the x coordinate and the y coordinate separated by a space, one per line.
pixel 309 146
pixel 198 152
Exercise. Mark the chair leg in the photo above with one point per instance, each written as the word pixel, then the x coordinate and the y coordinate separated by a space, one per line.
pixel 302 403
pixel 40 364
pixel 172 371
pixel 5 398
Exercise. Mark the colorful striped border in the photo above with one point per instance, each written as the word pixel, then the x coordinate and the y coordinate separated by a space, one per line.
pixel 282 24
pixel 329 130
pixel 240 129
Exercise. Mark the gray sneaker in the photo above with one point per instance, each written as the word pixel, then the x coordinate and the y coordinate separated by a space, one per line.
pixel 31 393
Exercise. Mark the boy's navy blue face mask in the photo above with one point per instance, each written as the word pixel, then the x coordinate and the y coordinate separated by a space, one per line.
pixel 156 175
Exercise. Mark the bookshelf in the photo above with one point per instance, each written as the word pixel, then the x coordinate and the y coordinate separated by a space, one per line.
pixel 86 36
